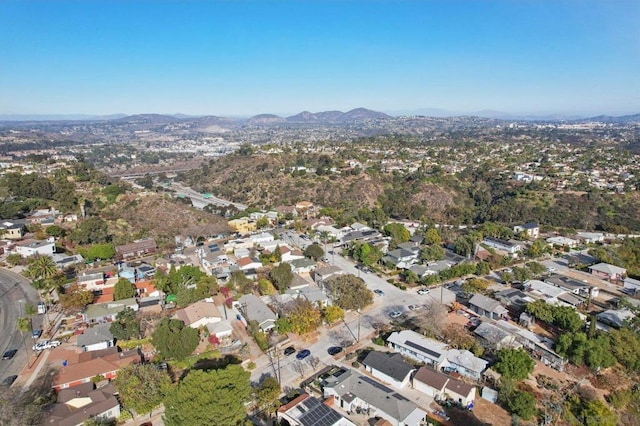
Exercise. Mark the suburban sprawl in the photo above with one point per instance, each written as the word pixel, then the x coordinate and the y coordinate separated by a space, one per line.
pixel 325 269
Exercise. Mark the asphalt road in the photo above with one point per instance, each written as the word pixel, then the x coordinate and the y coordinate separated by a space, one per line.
pixel 199 201
pixel 15 292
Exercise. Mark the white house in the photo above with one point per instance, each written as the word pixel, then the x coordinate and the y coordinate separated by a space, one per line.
pixel 95 338
pixel 199 314
pixel 532 230
pixel 389 368
pixel 562 241
pixel 30 248
pixel 418 347
pixel 441 387
pixel 465 363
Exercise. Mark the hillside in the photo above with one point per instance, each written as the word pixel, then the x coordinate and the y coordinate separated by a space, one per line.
pixel 160 216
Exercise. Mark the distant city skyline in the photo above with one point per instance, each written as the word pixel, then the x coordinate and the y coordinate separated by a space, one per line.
pixel 241 58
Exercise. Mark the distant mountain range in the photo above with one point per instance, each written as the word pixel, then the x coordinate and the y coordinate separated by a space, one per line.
pixel 306 117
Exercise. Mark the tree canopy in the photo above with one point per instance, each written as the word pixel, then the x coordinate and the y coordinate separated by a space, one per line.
pixel 142 387
pixel 173 339
pixel 314 251
pixel 123 289
pixel 282 276
pixel 214 397
pixel 303 316
pixel 126 326
pixel 514 364
pixel 349 292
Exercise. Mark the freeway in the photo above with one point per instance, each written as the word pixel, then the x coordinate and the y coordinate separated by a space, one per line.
pixel 15 292
pixel 199 201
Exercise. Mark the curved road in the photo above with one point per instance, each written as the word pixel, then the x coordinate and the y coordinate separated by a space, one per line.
pixel 15 291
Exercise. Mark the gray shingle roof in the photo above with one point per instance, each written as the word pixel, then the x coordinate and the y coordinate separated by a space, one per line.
pixel 390 364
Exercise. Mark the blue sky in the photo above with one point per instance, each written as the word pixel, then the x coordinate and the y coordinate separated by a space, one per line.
pixel 240 57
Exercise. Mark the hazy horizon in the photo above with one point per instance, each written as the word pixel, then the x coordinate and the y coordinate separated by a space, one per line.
pixel 226 58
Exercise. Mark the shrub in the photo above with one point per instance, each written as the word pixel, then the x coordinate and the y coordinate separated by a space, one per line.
pixel 355 364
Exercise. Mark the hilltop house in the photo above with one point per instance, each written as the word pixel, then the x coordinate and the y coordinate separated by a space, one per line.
pixel 136 249
pixel 531 230
pixel 28 248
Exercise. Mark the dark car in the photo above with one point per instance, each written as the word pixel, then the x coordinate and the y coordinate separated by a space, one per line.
pixel 9 354
pixel 334 350
pixel 289 350
pixel 303 354
pixel 8 381
pixel 36 334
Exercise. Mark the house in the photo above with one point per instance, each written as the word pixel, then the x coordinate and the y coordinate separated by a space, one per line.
pixel 242 225
pixel 442 387
pixel 199 314
pixel 301 266
pixel 314 295
pixel 572 285
pixel 221 329
pixel 261 238
pixel 106 312
pixel 465 363
pixel 531 230
pixel 607 271
pixel 401 258
pixel 246 263
pixel 254 309
pixel 513 298
pixel 591 237
pixel 415 346
pixel 493 337
pixel 306 410
pixel 64 261
pixel 615 318
pixel 95 338
pixel 91 281
pixel 487 307
pixel 12 230
pixel 499 244
pixel 632 285
pixel 389 368
pixel 136 249
pixel 562 241
pixel 287 211
pixel 321 275
pixel 28 248
pixel 74 406
pixel 105 363
pixel 356 392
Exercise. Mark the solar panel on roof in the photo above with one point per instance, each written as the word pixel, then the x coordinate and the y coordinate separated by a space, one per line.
pixel 422 348
pixel 375 384
pixel 317 413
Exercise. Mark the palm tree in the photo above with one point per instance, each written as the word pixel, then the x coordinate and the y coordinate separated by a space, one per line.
pixel 41 268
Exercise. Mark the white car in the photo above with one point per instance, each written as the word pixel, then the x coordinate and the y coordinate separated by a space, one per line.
pixel 395 314
pixel 424 290
pixel 46 344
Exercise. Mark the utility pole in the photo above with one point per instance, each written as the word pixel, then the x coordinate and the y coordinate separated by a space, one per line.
pixel 358 340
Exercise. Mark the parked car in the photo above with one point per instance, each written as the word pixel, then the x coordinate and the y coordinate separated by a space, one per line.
pixel 289 350
pixel 395 314
pixel 46 344
pixel 36 334
pixel 9 354
pixel 334 350
pixel 424 290
pixel 378 292
pixel 303 354
pixel 8 381
pixel 414 307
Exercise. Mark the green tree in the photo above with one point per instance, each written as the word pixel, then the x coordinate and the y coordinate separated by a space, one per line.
pixel 282 276
pixel 314 251
pixel 432 253
pixel 99 251
pixel 142 387
pixel 267 395
pixel 536 268
pixel 349 292
pixel 523 404
pixel 398 233
pixel 54 231
pixel 475 285
pixel 432 237
pixel 567 318
pixel 515 364
pixel 123 289
pixel 596 413
pixel 540 310
pixel 14 259
pixel 173 340
pixel 91 231
pixel 126 326
pixel 537 249
pixel 333 313
pixel 214 397
pixel 265 287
